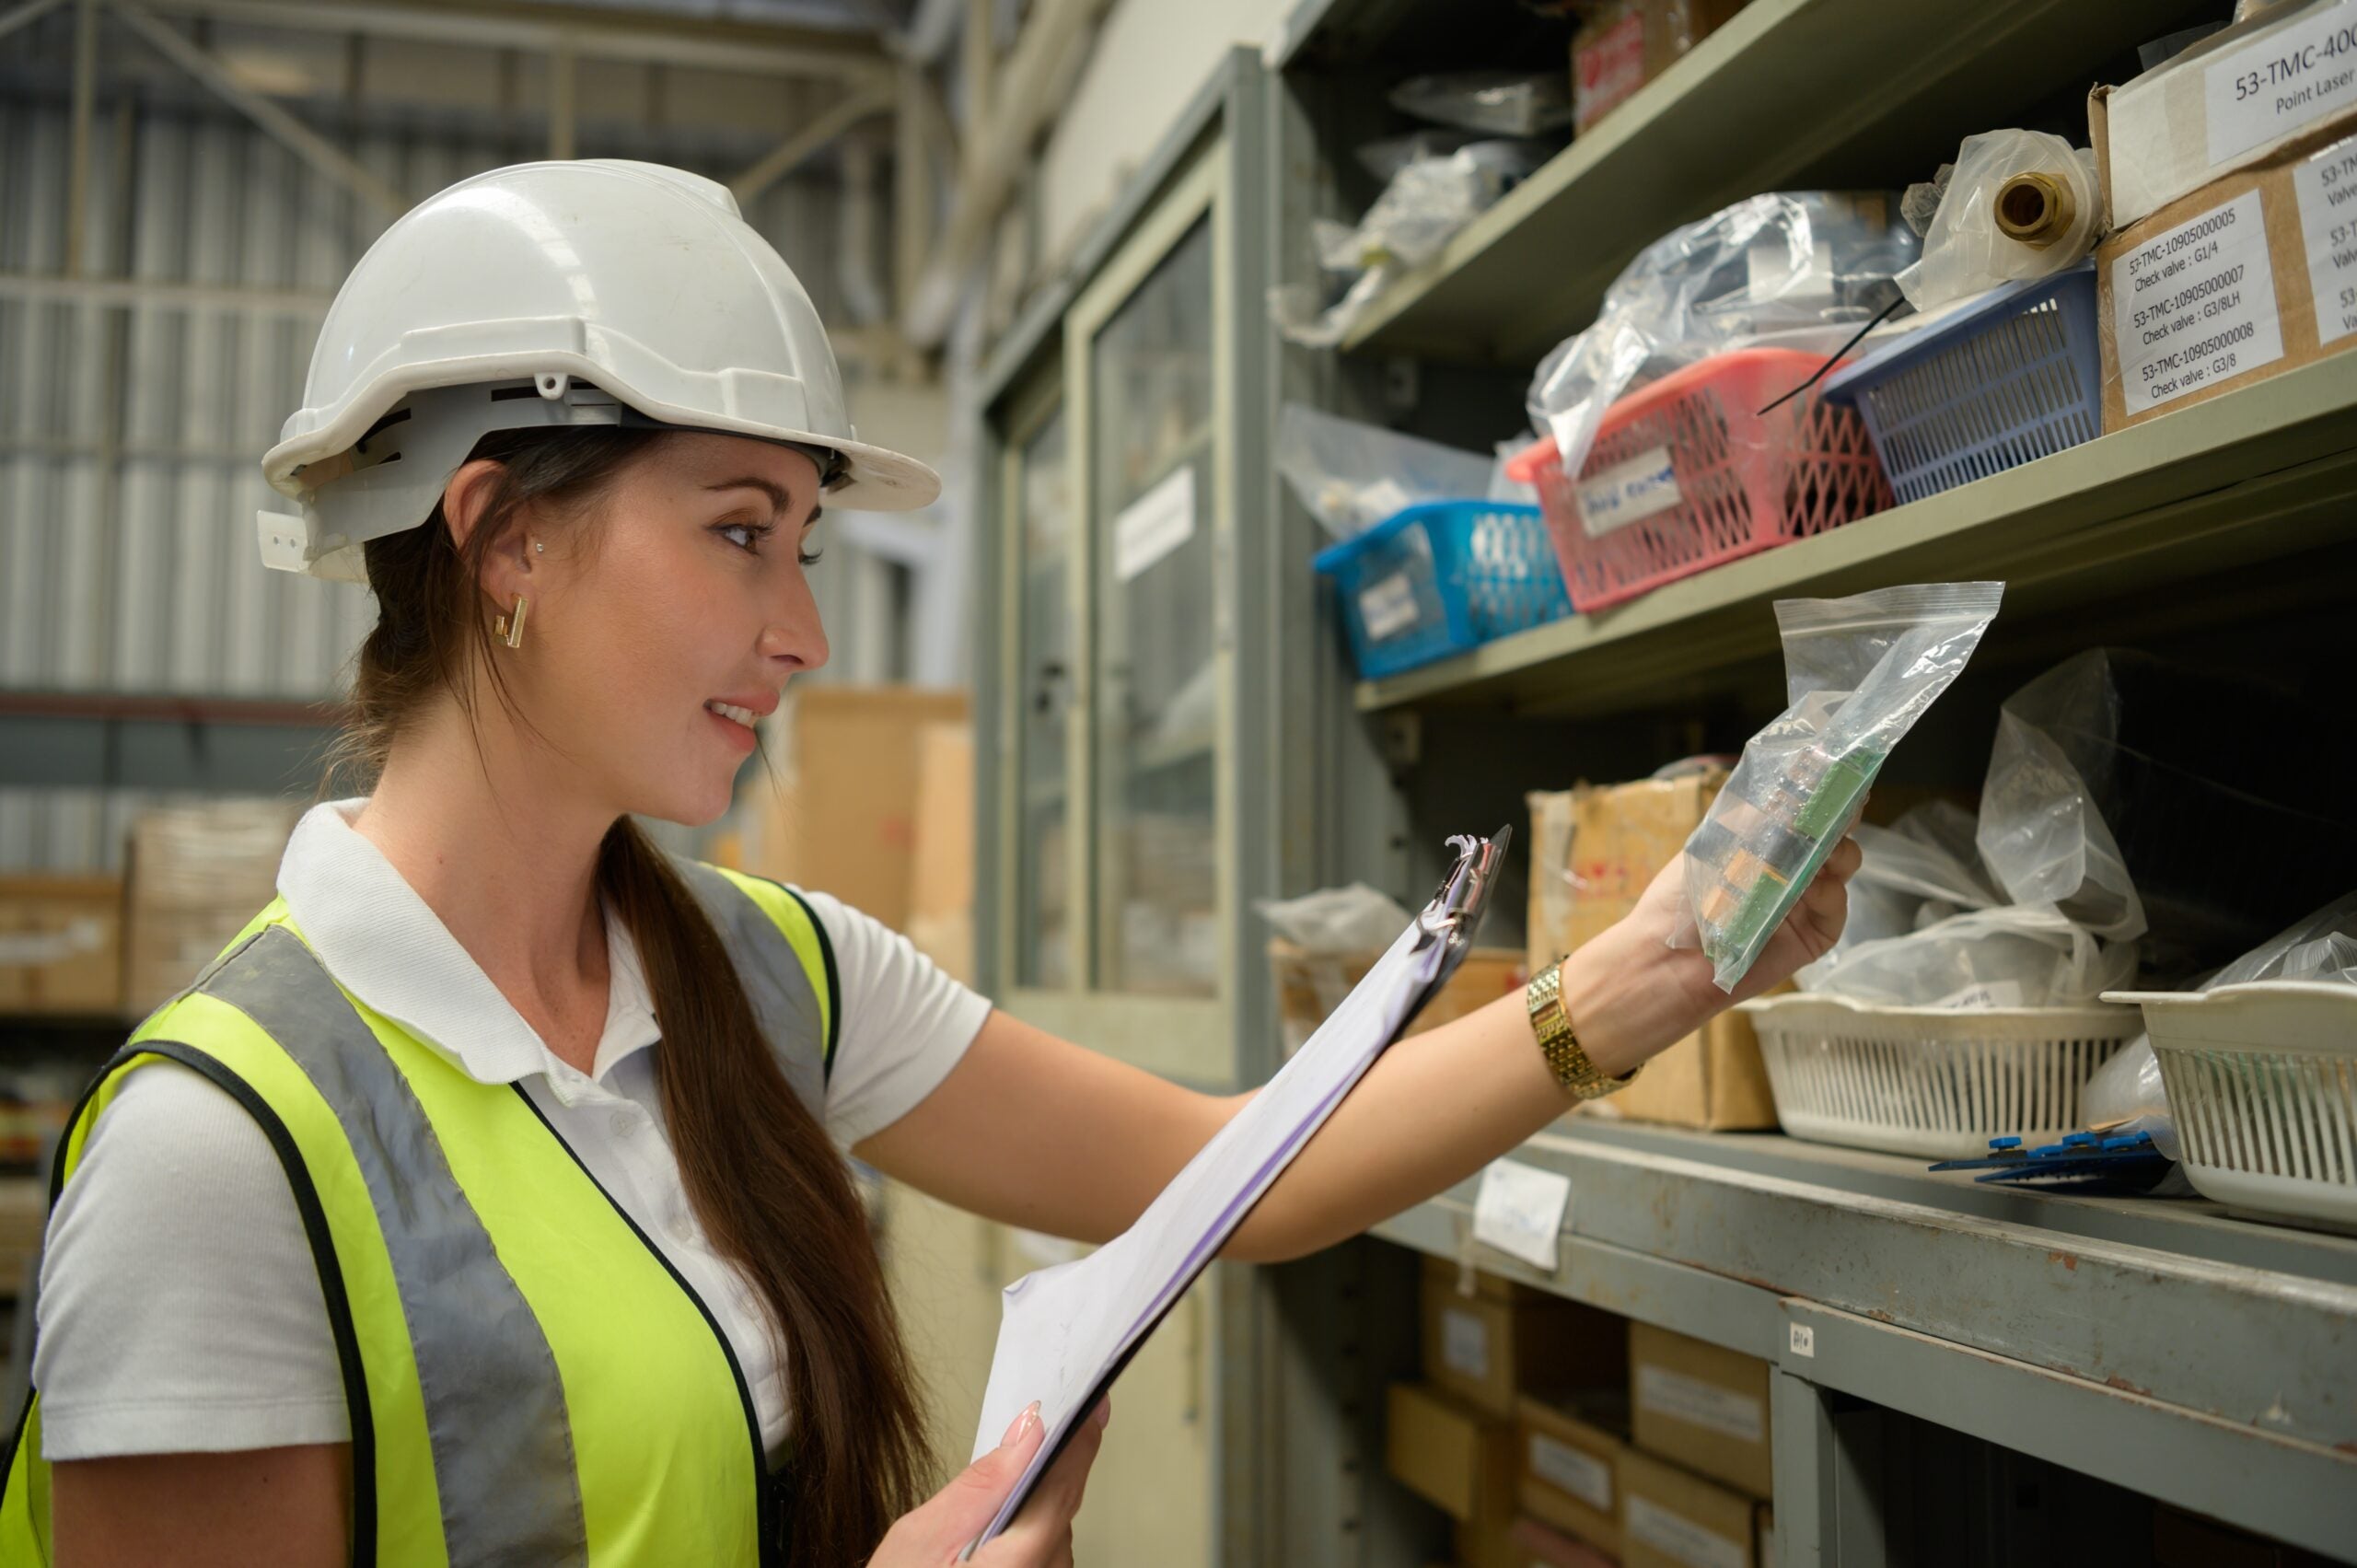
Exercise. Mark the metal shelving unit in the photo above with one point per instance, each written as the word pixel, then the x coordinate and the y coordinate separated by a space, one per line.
pixel 2161 1346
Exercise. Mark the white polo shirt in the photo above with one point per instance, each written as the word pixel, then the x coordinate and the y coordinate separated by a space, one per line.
pixel 180 1307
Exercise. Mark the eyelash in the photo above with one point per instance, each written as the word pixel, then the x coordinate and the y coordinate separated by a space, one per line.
pixel 761 531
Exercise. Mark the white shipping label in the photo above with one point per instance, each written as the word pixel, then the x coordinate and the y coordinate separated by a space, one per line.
pixel 31 949
pixel 1390 607
pixel 2326 185
pixel 2269 89
pixel 1519 1211
pixel 1681 1538
pixel 1697 1403
pixel 1628 491
pixel 1465 1343
pixel 2195 306
pixel 1566 1468
pixel 1154 525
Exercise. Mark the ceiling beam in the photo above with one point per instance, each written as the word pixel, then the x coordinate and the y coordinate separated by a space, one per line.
pixel 790 154
pixel 593 32
pixel 30 12
pixel 298 138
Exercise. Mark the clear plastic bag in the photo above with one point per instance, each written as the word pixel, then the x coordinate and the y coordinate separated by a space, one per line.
pixel 2036 185
pixel 1426 202
pixel 2042 835
pixel 1351 475
pixel 1499 104
pixel 2126 1096
pixel 1859 672
pixel 1387 156
pixel 1355 919
pixel 2012 955
pixel 2323 947
pixel 1804 270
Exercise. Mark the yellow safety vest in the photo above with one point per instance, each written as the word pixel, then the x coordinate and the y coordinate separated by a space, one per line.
pixel 529 1379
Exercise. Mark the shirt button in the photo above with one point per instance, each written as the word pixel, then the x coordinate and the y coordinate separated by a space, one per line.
pixel 624 1123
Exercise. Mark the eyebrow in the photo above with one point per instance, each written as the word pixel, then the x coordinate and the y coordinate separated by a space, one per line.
pixel 778 499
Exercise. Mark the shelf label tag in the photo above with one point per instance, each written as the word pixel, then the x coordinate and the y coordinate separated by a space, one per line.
pixel 1465 1343
pixel 1388 607
pixel 1680 1539
pixel 2326 184
pixel 1519 1211
pixel 1154 524
pixel 1804 1340
pixel 1697 1403
pixel 2195 306
pixel 1567 1470
pixel 1628 491
pixel 2267 90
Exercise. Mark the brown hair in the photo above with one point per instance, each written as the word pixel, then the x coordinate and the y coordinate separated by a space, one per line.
pixel 766 1180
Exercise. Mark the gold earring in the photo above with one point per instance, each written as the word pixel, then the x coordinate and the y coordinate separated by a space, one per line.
pixel 511 627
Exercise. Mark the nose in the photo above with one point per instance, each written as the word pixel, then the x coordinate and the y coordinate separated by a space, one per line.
pixel 795 636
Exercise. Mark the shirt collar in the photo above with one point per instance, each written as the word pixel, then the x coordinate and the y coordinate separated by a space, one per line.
pixel 387 946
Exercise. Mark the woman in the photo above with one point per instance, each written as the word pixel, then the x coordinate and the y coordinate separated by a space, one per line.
pixel 486 1202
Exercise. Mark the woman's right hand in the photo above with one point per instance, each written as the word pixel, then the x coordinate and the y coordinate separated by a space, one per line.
pixel 1040 1536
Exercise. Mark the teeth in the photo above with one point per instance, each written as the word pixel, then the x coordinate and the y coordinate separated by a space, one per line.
pixel 742 715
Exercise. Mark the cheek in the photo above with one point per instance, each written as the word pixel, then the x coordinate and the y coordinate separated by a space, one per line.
pixel 647 626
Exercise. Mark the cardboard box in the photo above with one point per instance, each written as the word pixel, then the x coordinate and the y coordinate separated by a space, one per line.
pixel 1489 1543
pixel 24 1214
pixel 941 882
pixel 61 945
pixel 1593 851
pixel 1456 1458
pixel 2232 101
pixel 1311 985
pixel 843 819
pixel 1626 43
pixel 197 876
pixel 1546 1548
pixel 1702 1405
pixel 1570 1465
pixel 1674 1519
pixel 1490 1346
pixel 2241 280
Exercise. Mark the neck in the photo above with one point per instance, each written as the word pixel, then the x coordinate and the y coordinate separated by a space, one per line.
pixel 501 842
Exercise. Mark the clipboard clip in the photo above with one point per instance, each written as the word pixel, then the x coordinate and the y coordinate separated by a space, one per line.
pixel 1456 909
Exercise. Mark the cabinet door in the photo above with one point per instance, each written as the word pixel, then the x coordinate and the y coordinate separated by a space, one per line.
pixel 1156 689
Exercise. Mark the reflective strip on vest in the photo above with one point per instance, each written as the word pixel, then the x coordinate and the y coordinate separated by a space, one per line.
pixel 494 1407
pixel 470 1307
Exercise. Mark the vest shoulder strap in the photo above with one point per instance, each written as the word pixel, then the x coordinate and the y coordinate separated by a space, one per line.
pixel 786 964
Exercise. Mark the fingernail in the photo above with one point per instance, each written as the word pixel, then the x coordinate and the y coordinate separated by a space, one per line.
pixel 1104 1416
pixel 1021 1428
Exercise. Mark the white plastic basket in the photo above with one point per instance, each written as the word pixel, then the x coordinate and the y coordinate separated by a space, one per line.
pixel 2262 1085
pixel 1938 1082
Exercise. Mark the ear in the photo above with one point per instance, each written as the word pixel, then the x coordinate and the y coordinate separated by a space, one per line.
pixel 506 568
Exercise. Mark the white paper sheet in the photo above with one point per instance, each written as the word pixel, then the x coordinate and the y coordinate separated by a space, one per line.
pixel 1067 1329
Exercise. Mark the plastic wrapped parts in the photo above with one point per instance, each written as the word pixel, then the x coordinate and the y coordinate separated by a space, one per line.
pixel 1496 103
pixel 1352 475
pixel 1859 672
pixel 2018 204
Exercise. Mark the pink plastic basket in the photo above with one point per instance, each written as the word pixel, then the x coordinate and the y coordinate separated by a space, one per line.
pixel 1687 474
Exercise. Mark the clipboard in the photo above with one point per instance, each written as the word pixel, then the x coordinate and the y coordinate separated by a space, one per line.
pixel 1069 1332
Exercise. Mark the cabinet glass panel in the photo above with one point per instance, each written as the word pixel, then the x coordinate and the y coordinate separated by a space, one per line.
pixel 1150 376
pixel 1044 929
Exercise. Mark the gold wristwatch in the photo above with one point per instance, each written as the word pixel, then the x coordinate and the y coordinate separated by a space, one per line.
pixel 1559 1043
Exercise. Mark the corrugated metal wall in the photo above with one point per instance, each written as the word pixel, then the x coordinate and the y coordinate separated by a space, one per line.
pixel 130 437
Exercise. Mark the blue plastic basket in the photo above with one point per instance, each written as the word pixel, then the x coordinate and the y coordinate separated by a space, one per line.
pixel 2011 377
pixel 1441 577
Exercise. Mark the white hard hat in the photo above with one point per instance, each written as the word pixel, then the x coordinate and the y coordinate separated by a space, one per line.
pixel 594 292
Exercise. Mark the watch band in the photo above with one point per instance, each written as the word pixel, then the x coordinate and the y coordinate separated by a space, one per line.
pixel 1560 1042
